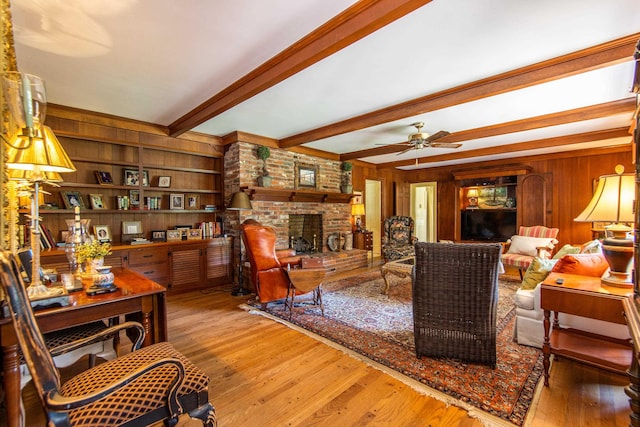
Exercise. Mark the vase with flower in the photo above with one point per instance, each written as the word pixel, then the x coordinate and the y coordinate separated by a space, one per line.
pixel 92 254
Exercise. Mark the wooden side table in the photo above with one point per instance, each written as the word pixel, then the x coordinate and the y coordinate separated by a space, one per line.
pixel 364 240
pixel 587 297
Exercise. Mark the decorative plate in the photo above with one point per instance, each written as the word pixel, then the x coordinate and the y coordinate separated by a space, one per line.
pixel 333 241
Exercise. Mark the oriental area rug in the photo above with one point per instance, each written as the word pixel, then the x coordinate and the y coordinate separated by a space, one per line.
pixel 379 327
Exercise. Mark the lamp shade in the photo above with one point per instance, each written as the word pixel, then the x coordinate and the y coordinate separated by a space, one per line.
pixel 240 201
pixel 41 152
pixel 472 193
pixel 357 209
pixel 612 201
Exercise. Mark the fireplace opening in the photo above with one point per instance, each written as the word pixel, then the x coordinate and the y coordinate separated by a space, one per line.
pixel 305 233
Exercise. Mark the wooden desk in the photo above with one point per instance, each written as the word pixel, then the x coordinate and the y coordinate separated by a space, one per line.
pixel 137 296
pixel 586 297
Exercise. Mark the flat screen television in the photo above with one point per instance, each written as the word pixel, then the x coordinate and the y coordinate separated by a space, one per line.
pixel 495 225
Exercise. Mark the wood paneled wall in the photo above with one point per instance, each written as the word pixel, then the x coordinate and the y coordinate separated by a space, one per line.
pixel 572 173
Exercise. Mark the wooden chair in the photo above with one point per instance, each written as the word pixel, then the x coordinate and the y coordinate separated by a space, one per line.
pixel 138 389
pixel 455 300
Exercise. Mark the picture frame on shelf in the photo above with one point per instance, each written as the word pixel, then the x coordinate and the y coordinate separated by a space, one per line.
pixel 174 235
pixel 102 233
pixel 71 199
pixel 194 234
pixel 306 176
pixel 192 201
pixel 176 201
pixel 97 201
pixel 132 177
pixel 131 227
pixel 134 197
pixel 159 235
pixel 164 181
pixel 104 178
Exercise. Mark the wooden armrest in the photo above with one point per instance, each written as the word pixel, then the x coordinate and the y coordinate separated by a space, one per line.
pixel 66 348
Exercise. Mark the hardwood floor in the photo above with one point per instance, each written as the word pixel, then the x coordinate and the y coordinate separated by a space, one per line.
pixel 266 374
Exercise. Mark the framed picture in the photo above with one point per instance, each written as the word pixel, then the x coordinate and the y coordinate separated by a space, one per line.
pixel 164 181
pixel 159 236
pixel 306 176
pixel 131 227
pixel 184 230
pixel 71 199
pixel 173 235
pixel 176 201
pixel 134 197
pixel 132 177
pixel 97 201
pixel 194 234
pixel 104 178
pixel 192 201
pixel 102 233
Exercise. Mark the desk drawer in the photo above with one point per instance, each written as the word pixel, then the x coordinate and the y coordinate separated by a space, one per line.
pixel 143 256
pixel 156 272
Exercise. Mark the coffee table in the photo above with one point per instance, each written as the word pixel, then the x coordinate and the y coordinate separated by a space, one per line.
pixel 395 272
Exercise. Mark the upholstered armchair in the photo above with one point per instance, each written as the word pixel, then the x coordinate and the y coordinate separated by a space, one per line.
pixel 530 242
pixel 142 387
pixel 397 238
pixel 267 274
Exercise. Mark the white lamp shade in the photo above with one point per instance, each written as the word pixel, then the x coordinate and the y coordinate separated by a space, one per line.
pixel 613 200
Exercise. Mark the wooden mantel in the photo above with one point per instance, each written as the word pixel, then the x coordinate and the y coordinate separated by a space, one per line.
pixel 297 195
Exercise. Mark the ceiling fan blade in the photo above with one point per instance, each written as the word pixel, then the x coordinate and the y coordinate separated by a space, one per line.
pixel 438 135
pixel 444 145
pixel 407 150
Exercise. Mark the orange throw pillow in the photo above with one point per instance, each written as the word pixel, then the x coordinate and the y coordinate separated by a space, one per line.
pixel 593 265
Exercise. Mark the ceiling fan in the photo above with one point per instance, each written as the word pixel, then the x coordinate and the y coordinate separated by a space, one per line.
pixel 420 140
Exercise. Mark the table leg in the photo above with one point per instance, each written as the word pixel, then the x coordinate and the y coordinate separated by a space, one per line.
pixel 546 347
pixel 11 382
pixel 633 391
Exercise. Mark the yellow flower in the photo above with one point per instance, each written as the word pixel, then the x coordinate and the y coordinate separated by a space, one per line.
pixel 92 250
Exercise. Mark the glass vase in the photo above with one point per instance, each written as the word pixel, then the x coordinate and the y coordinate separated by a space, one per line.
pixel 77 236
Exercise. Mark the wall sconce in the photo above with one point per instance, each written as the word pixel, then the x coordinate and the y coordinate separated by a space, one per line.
pixel 613 202
pixel 357 210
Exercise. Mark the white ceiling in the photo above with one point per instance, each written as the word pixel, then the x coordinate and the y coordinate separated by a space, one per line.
pixel 157 60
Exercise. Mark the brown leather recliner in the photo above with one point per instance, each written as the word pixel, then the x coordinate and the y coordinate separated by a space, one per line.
pixel 267 272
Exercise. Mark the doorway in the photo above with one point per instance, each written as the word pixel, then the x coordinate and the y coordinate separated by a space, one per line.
pixel 373 207
pixel 423 210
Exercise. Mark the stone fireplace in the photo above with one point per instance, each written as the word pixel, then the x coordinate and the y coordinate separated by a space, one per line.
pixel 305 233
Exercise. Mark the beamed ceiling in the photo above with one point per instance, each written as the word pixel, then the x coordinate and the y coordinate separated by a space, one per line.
pixel 347 79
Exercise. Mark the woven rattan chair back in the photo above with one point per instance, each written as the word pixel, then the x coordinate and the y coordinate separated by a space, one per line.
pixel 455 298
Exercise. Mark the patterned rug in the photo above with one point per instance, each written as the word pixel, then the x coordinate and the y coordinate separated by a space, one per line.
pixel 380 327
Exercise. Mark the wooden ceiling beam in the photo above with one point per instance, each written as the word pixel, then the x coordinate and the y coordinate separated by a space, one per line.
pixel 511 148
pixel 355 23
pixel 605 54
pixel 554 119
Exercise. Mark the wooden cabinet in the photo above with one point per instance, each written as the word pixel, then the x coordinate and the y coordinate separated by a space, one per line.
pixel 219 260
pixel 187 266
pixel 363 240
pixel 151 262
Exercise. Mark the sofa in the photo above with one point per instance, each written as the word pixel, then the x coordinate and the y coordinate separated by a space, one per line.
pixel 585 260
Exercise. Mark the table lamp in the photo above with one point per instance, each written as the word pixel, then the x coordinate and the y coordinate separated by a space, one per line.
pixel 357 210
pixel 472 197
pixel 240 201
pixel 33 148
pixel 613 202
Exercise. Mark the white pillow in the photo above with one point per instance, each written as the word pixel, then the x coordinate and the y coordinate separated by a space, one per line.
pixel 524 245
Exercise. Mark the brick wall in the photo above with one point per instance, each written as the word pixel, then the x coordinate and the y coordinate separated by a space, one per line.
pixel 241 169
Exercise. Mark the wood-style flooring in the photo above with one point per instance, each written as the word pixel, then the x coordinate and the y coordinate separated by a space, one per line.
pixel 266 374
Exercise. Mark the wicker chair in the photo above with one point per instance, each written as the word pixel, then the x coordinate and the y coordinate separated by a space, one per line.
pixel 455 298
pixel 138 389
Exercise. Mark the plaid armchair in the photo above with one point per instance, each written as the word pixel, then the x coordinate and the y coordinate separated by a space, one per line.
pixel 398 238
pixel 530 242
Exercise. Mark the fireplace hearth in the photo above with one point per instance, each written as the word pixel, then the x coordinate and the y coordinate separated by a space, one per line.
pixel 305 233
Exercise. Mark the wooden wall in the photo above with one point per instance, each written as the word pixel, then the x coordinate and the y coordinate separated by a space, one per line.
pixel 572 174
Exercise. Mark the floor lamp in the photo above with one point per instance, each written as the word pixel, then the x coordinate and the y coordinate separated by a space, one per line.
pixel 239 202
pixel 34 149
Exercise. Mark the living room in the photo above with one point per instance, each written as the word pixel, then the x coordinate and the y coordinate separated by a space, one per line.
pixel 251 382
